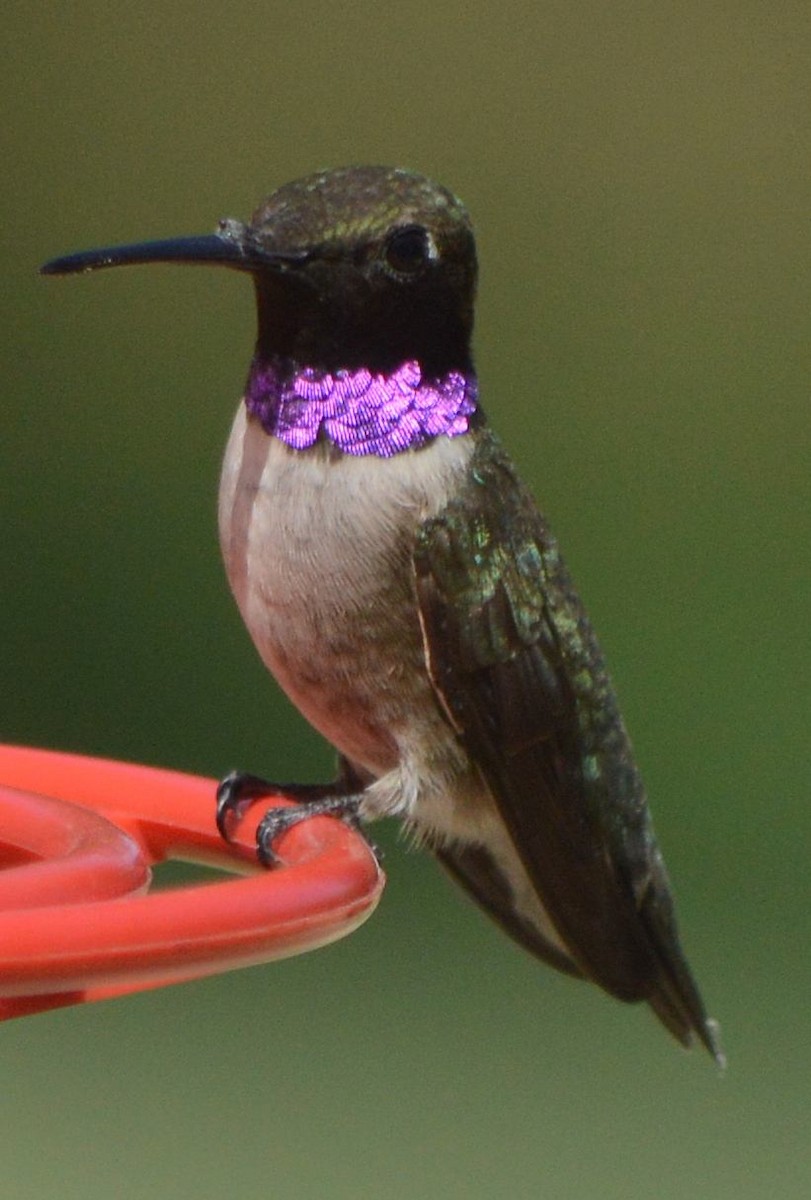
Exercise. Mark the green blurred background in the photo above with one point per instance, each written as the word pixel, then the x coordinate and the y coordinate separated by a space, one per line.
pixel 639 178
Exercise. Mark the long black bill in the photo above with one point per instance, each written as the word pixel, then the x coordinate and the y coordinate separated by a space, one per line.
pixel 230 247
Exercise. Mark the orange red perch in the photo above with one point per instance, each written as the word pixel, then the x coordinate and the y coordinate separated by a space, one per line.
pixel 78 838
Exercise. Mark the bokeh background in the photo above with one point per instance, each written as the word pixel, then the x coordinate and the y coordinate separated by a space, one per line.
pixel 639 178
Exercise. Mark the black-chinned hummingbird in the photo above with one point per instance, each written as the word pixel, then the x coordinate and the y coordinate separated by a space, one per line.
pixel 399 581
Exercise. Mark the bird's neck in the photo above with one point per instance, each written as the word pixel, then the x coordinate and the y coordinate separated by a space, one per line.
pixel 360 411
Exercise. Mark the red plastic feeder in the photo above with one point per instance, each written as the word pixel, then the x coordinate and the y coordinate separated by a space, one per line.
pixel 78 838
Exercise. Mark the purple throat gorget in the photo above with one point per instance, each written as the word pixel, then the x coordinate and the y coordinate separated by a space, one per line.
pixel 359 411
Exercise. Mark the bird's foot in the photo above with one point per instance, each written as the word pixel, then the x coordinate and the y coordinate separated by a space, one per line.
pixel 239 789
pixel 277 821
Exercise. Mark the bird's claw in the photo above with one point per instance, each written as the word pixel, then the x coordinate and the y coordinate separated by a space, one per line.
pixel 274 823
pixel 235 794
pixel 277 821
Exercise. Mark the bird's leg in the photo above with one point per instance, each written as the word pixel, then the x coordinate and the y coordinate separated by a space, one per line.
pixel 341 798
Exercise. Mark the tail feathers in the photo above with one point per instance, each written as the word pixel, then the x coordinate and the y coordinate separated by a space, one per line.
pixel 685 1025
pixel 674 996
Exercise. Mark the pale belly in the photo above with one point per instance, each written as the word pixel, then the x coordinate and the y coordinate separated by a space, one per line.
pixel 318 554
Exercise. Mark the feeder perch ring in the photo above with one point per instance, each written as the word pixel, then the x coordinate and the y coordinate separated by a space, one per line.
pixel 78 839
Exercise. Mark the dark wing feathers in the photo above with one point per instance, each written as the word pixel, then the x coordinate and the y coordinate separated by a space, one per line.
pixel 473 867
pixel 519 673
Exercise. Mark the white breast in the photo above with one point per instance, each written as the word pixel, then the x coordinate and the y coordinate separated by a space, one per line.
pixel 317 548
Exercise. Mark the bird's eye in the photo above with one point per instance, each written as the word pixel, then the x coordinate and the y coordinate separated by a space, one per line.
pixel 409 249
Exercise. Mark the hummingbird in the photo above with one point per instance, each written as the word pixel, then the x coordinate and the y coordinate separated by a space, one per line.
pixel 401 584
